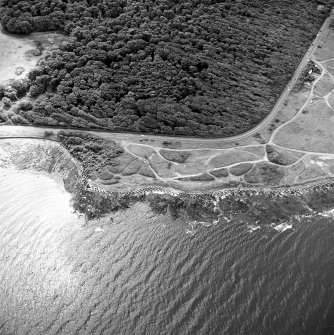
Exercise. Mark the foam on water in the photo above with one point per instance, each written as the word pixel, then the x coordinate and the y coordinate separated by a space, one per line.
pixel 327 214
pixel 145 274
pixel 35 216
pixel 282 227
pixel 252 228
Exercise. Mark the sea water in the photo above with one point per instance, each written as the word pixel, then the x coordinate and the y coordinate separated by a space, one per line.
pixel 141 273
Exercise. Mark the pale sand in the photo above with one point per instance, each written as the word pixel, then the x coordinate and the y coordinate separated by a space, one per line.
pixel 17 56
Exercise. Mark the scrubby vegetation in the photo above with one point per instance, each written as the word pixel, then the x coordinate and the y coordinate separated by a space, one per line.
pixel 17 89
pixel 95 205
pixel 188 206
pixel 281 157
pixel 200 177
pixel 93 152
pixel 175 156
pixel 264 173
pixel 240 169
pixel 220 173
pixel 307 76
pixel 200 67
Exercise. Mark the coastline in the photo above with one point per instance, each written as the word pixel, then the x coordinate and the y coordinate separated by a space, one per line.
pixel 137 233
pixel 169 188
pixel 268 158
pixel 208 206
pixel 265 161
pixel 260 204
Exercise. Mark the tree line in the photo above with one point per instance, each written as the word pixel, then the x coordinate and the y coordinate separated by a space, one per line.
pixel 199 67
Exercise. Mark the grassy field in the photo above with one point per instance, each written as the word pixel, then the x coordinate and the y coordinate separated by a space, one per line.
pixel 295 147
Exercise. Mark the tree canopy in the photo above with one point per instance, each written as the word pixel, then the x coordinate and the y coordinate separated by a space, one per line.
pixel 199 67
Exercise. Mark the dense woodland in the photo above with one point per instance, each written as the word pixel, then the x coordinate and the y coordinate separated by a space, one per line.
pixel 185 67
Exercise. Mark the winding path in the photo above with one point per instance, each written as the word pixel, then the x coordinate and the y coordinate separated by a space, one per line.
pixel 206 152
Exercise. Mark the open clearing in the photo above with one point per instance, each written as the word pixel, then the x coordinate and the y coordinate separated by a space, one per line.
pixel 20 54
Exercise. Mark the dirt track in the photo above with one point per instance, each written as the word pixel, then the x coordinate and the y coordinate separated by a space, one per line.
pixel 212 163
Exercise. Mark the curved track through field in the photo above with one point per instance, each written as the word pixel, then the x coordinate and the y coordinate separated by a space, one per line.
pixel 208 155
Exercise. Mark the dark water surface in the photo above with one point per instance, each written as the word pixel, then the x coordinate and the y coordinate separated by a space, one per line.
pixel 146 274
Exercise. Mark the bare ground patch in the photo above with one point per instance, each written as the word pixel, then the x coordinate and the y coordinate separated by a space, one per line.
pixel 326 162
pixel 20 54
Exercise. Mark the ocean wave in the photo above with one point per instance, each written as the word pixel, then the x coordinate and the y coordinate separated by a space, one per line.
pixel 282 227
pixel 147 274
pixel 327 213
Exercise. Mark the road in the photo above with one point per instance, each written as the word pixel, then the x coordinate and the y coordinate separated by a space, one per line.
pixel 277 105
pixel 264 123
pixel 291 83
pixel 270 117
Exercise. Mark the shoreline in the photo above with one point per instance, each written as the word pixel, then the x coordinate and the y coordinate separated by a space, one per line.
pixel 258 203
pixel 305 186
pixel 210 206
pixel 274 176
pixel 171 173
pixel 169 189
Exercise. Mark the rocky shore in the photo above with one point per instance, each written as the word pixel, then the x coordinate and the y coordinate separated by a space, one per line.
pixel 257 205
pixel 262 205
